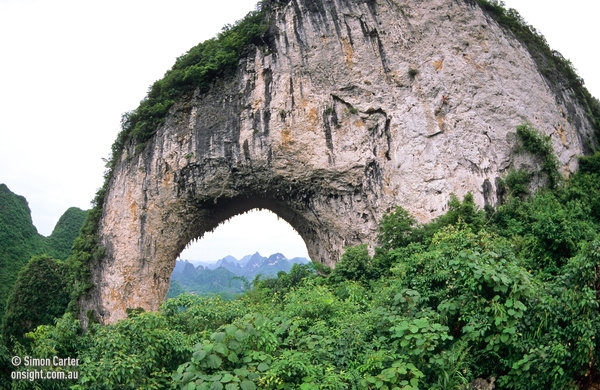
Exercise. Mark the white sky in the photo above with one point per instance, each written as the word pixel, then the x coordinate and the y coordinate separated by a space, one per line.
pixel 70 68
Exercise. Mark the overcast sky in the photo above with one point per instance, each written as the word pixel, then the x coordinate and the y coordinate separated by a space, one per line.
pixel 70 68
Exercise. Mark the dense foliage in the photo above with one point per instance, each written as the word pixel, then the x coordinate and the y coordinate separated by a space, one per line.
pixel 60 242
pixel 20 241
pixel 508 296
pixel 40 294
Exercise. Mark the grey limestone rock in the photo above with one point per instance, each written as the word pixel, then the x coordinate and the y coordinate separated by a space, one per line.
pixel 356 106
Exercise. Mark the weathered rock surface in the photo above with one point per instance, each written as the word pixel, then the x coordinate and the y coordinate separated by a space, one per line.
pixel 358 106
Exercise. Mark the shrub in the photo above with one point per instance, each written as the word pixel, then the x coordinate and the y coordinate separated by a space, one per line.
pixel 355 264
pixel 40 294
pixel 539 145
pixel 396 229
pixel 516 183
pixel 140 352
pixel 590 164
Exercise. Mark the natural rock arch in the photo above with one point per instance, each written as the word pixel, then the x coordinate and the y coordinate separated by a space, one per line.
pixel 356 106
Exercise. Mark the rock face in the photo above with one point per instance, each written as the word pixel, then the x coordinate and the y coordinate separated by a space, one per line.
pixel 358 106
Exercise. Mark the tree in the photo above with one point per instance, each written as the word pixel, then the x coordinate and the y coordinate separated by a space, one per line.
pixel 355 264
pixel 40 294
pixel 396 229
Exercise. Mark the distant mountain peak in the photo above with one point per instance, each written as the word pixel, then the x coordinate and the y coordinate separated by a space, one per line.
pixel 220 277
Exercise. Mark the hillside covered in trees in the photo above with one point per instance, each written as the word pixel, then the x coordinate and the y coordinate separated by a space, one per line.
pixel 34 286
pixel 19 239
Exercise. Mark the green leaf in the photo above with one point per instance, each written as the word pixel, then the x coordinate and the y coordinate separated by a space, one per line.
pixel 240 335
pixel 247 385
pixel 213 361
pixel 219 337
pixel 199 354
pixel 230 330
pixel 233 357
pixel 221 348
pixel 227 378
pixel 243 372
pixel 421 323
pixel 262 367
pixel 216 386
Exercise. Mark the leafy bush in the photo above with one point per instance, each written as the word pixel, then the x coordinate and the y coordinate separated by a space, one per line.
pixel 140 352
pixel 355 264
pixel 539 145
pixel 40 294
pixel 396 229
pixel 285 281
pixel 590 164
pixel 516 184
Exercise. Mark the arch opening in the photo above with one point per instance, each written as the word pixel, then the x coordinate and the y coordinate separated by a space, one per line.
pixel 203 221
pixel 255 243
pixel 256 230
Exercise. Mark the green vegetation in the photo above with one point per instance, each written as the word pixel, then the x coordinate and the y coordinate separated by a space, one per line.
pixel 33 285
pixel 218 58
pixel 60 242
pixel 540 146
pixel 509 294
pixel 40 294
pixel 198 69
pixel 20 241
pixel 515 183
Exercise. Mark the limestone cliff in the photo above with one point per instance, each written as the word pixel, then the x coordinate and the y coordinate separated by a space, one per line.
pixel 349 108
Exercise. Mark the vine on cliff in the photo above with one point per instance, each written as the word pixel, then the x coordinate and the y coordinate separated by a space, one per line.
pixel 196 70
pixel 218 57
pixel 540 146
pixel 556 69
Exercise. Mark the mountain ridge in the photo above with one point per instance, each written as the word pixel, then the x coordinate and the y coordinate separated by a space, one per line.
pixel 225 277
pixel 20 239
